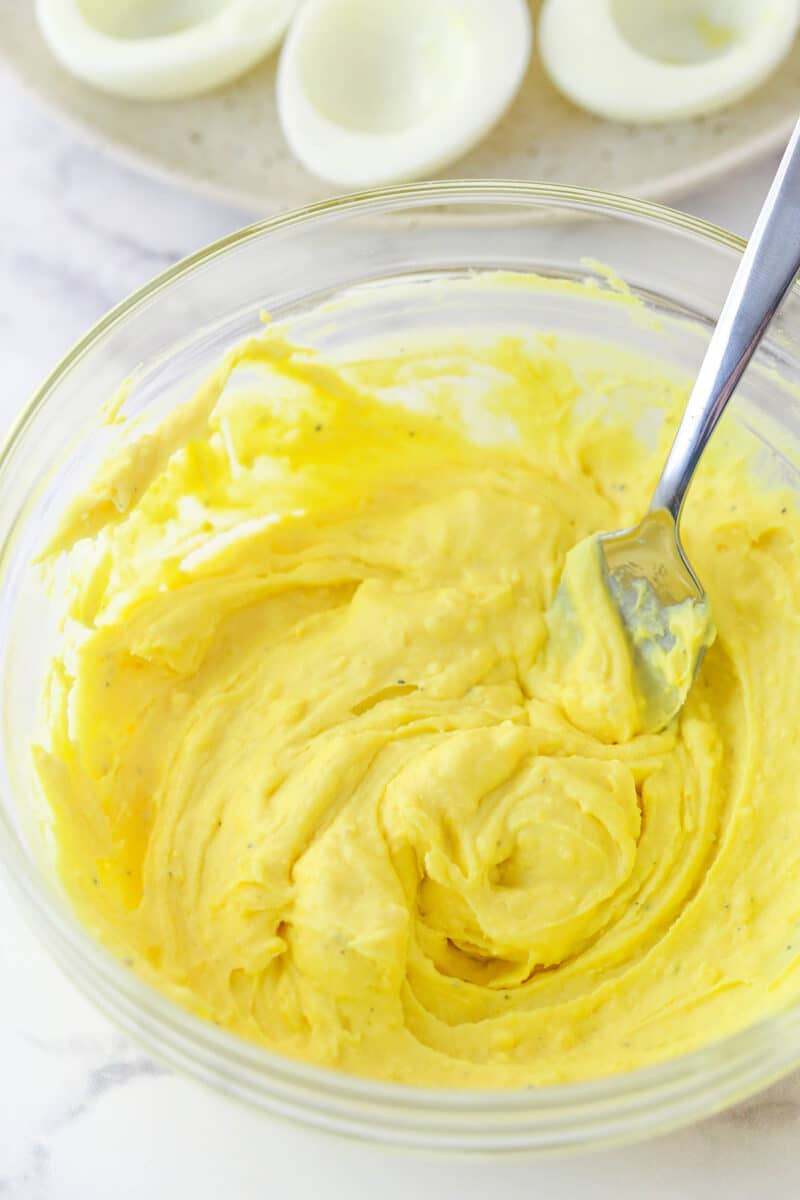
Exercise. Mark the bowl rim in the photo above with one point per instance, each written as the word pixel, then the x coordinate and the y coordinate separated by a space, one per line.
pixel 446 191
pixel 547 1117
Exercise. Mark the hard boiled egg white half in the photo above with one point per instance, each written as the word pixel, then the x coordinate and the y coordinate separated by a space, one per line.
pixel 161 49
pixel 380 91
pixel 660 60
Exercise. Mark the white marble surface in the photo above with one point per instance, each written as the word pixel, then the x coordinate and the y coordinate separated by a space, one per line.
pixel 83 1113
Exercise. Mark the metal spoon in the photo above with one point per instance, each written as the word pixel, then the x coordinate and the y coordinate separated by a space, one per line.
pixel 648 559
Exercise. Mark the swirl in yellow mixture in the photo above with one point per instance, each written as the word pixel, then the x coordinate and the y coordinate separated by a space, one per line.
pixel 312 770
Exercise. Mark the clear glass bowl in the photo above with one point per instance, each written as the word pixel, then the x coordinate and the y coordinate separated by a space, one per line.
pixel 400 265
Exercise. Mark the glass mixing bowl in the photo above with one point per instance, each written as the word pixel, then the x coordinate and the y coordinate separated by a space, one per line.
pixel 401 271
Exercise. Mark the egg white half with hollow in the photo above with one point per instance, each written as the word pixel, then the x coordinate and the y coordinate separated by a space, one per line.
pixel 161 49
pixel 380 91
pixel 661 60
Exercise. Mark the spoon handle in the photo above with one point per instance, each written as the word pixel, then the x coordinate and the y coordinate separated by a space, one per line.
pixel 766 272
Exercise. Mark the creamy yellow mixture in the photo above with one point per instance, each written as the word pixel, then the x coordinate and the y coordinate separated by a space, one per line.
pixel 317 773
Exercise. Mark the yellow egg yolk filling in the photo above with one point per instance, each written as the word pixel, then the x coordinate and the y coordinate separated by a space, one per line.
pixel 314 775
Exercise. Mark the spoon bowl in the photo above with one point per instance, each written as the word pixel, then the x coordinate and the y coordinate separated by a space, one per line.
pixel 652 551
pixel 664 609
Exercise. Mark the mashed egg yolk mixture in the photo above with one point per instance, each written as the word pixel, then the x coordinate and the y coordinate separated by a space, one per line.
pixel 315 775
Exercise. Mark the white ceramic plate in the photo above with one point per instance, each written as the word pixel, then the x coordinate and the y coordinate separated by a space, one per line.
pixel 229 143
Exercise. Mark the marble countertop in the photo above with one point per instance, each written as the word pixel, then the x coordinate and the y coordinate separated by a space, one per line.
pixel 83 1112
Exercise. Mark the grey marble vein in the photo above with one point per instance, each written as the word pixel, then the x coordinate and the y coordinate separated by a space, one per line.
pixel 32 1178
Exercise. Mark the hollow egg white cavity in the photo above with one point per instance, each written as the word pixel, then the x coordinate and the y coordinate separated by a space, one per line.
pixel 661 60
pixel 381 91
pixel 161 49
